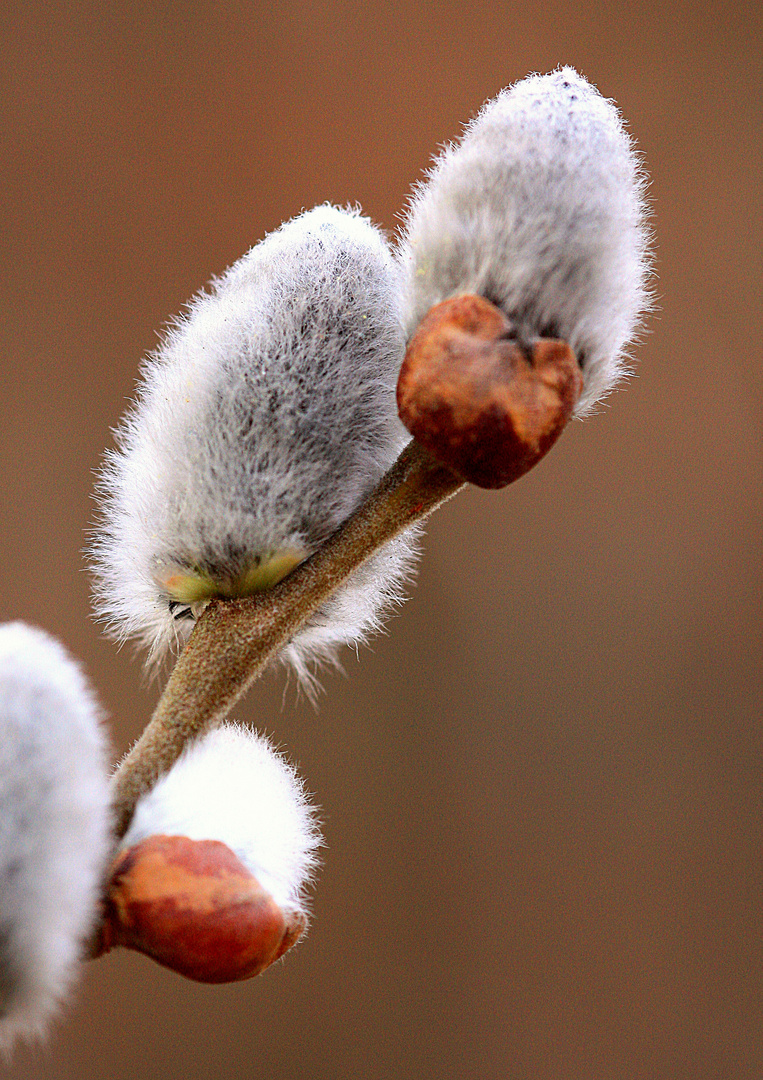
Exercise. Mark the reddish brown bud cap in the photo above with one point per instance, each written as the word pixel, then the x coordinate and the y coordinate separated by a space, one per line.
pixel 479 402
pixel 194 907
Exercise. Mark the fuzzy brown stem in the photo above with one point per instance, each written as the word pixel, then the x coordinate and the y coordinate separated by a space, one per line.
pixel 234 640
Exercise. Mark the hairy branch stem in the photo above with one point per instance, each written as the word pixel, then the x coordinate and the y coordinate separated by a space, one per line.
pixel 234 640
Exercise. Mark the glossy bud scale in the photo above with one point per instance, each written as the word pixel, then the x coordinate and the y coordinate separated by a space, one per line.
pixel 193 906
pixel 480 401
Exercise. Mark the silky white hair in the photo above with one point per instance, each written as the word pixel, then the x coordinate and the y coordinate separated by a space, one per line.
pixel 54 826
pixel 262 422
pixel 540 209
pixel 233 786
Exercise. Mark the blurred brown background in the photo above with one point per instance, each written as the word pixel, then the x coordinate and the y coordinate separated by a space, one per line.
pixel 542 789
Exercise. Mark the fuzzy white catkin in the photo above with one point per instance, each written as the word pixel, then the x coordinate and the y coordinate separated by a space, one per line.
pixel 262 422
pixel 232 786
pixel 54 826
pixel 540 209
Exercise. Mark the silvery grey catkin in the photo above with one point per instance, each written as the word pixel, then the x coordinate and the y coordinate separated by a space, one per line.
pixel 261 423
pixel 54 826
pixel 539 209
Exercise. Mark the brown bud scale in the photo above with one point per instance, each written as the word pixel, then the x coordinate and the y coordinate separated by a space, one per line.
pixel 194 907
pixel 480 404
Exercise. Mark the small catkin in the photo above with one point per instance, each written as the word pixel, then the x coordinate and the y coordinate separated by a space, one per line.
pixel 540 209
pixel 232 786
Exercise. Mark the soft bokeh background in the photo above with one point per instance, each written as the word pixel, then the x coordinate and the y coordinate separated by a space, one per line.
pixel 542 789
